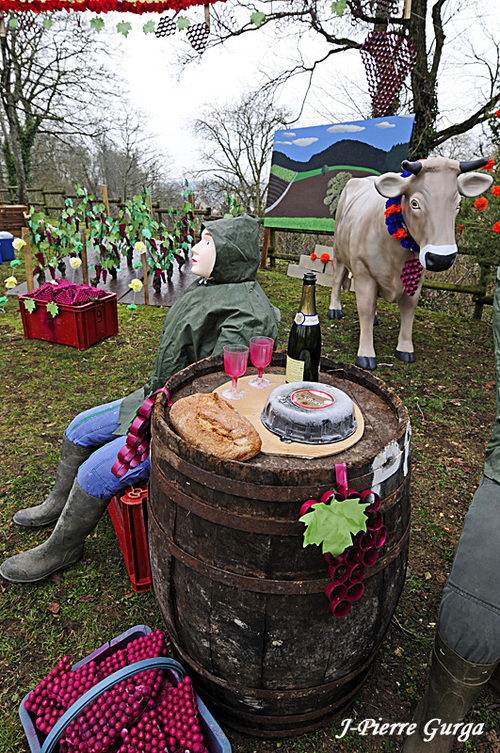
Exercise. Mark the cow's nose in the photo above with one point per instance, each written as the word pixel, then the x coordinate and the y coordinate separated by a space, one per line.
pixel 438 263
pixel 437 258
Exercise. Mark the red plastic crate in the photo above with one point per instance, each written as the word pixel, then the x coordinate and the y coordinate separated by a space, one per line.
pixel 80 326
pixel 128 511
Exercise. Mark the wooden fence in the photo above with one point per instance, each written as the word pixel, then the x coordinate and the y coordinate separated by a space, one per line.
pixel 53 200
pixel 480 290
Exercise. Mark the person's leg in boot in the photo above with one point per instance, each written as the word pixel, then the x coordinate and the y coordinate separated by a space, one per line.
pixel 89 497
pixel 86 432
pixel 467 645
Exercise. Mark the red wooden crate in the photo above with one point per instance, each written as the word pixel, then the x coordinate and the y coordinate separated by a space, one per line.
pixel 128 511
pixel 80 326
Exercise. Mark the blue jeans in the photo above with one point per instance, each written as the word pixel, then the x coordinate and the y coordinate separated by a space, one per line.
pixel 94 428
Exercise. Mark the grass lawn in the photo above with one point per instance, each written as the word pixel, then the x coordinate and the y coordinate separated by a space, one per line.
pixel 450 395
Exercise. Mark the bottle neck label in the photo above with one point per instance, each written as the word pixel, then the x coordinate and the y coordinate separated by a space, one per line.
pixel 306 320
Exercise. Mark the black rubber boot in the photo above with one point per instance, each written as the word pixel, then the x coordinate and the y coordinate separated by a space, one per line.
pixel 71 457
pixel 454 684
pixel 79 517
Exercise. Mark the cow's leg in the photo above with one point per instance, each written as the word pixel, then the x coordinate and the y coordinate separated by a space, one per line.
pixel 339 273
pixel 407 305
pixel 366 301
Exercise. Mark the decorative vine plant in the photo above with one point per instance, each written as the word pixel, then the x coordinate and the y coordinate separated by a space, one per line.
pixel 113 238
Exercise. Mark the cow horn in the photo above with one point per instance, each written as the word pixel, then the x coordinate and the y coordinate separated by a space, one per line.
pixel 411 167
pixel 475 164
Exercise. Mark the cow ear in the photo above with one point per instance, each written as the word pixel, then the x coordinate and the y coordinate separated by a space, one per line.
pixel 472 184
pixel 390 184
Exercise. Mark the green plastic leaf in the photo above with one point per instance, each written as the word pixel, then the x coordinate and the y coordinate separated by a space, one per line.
pixel 29 305
pixel 53 308
pixel 132 307
pixel 96 24
pixel 15 263
pixel 258 18
pixel 338 7
pixel 149 27
pixel 331 525
pixel 183 23
pixel 47 23
pixel 13 23
pixel 124 27
pixel 3 300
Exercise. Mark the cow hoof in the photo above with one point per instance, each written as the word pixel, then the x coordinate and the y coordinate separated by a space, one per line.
pixel 366 362
pixel 335 314
pixel 403 355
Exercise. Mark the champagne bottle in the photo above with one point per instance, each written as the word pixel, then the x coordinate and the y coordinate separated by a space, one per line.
pixel 304 341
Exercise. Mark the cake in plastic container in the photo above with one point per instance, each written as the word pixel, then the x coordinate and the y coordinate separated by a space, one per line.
pixel 310 413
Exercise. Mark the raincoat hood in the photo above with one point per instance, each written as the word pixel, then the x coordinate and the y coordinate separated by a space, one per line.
pixel 237 248
pixel 230 307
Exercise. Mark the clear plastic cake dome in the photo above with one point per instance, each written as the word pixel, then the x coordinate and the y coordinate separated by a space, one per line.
pixel 310 413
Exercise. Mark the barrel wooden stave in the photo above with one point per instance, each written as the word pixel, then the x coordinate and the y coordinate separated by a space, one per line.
pixel 243 601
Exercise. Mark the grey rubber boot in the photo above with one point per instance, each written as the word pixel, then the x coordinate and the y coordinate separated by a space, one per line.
pixel 71 457
pixel 453 686
pixel 79 517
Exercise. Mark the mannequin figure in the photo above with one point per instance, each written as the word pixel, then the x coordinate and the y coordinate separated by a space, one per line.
pixel 226 305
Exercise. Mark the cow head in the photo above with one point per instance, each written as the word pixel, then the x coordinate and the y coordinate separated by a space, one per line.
pixel 430 199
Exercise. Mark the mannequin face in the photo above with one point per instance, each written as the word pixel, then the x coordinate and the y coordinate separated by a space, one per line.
pixel 203 255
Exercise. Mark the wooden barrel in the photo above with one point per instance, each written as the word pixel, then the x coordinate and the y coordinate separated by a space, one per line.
pixel 244 603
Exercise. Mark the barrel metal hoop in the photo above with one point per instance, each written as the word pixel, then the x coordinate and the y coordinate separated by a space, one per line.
pixel 268 586
pixel 231 485
pixel 316 718
pixel 249 523
pixel 238 488
pixel 264 693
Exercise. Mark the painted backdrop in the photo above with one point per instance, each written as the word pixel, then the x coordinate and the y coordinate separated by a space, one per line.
pixel 310 167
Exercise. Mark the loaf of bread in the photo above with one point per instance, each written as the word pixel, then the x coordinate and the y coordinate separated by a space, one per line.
pixel 211 424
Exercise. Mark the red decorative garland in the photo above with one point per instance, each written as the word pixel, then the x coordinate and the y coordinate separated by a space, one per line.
pixel 347 570
pixel 99 6
pixel 136 447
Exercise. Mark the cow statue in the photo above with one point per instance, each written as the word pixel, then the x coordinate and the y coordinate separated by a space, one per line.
pixel 382 224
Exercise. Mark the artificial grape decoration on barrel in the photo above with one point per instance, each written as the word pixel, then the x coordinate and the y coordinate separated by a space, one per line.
pixel 333 527
pixel 142 714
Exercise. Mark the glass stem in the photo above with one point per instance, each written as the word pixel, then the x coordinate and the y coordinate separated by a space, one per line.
pixel 260 373
pixel 234 385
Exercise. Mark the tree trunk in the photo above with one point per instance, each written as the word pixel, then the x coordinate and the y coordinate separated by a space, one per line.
pixel 423 83
pixel 14 131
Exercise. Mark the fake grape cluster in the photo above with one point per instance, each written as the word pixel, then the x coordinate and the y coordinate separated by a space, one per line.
pixel 142 714
pixel 348 569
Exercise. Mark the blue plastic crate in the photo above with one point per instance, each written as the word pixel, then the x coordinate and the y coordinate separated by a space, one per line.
pixel 7 252
pixel 215 739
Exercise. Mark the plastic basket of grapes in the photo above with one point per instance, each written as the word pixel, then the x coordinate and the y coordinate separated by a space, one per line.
pixel 125 697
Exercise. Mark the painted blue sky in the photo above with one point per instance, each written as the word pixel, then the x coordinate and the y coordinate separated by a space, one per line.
pixel 301 143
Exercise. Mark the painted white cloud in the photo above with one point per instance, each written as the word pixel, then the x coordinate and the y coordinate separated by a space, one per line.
pixel 305 141
pixel 345 128
pixel 286 143
pixel 289 133
pixel 385 124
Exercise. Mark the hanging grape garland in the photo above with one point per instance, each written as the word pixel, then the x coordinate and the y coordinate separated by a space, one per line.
pixel 349 527
pixel 99 6
pixel 388 58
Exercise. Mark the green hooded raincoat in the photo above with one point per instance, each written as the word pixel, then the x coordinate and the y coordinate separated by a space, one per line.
pixel 229 307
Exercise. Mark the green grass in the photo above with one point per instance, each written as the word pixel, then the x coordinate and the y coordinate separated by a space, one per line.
pixel 450 396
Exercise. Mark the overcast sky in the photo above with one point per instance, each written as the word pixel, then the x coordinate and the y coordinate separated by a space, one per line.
pixel 150 68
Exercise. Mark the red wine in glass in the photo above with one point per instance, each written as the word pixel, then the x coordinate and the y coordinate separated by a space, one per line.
pixel 261 352
pixel 235 364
